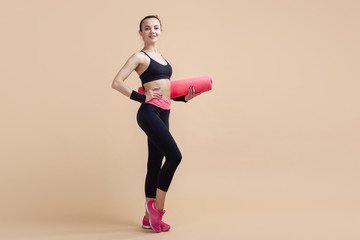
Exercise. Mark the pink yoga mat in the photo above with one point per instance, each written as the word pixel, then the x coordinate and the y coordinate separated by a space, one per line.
pixel 180 88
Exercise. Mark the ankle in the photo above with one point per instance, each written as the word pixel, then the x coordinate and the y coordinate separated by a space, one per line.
pixel 159 208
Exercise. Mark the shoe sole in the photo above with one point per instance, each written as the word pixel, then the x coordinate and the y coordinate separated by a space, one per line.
pixel 147 210
pixel 146 227
pixel 149 227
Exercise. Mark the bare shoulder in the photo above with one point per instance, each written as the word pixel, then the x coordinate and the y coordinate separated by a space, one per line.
pixel 138 57
pixel 134 61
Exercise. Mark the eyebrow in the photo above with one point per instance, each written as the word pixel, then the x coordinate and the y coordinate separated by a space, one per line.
pixel 150 26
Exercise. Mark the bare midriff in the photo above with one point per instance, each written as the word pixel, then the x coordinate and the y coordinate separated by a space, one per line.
pixel 162 84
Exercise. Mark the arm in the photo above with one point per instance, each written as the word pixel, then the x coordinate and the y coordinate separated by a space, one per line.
pixel 189 96
pixel 118 83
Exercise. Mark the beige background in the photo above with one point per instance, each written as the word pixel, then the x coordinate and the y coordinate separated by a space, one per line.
pixel 272 152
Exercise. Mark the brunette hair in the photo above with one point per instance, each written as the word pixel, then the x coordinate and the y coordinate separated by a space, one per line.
pixel 147 17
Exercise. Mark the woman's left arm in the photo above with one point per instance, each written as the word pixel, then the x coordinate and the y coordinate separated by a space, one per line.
pixel 191 94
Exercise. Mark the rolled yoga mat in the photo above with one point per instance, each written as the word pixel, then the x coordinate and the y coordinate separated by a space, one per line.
pixel 180 88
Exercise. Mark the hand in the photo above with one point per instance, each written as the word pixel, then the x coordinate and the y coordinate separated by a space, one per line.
pixel 191 94
pixel 152 93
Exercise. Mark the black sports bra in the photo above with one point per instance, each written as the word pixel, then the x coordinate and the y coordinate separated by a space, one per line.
pixel 156 71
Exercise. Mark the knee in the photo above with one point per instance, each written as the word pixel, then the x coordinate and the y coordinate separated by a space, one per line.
pixel 177 158
pixel 173 158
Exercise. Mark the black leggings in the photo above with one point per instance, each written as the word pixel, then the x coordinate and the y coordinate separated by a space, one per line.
pixel 154 121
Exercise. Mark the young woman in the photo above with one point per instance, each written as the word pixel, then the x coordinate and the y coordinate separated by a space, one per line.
pixel 153 118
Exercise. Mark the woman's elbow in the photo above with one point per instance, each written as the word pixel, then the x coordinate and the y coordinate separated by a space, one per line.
pixel 116 84
pixel 113 85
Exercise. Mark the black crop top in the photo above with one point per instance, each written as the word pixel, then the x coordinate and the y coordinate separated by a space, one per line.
pixel 156 71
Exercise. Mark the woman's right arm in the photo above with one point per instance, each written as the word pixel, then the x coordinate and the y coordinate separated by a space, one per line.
pixel 118 82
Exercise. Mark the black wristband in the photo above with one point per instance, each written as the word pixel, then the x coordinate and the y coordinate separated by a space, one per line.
pixel 182 99
pixel 137 96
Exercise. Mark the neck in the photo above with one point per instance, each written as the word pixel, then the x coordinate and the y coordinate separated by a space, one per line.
pixel 150 48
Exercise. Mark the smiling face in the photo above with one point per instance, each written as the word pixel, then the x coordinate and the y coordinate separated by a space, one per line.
pixel 150 30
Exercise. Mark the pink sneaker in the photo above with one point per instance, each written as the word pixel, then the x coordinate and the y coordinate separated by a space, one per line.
pixel 146 224
pixel 155 216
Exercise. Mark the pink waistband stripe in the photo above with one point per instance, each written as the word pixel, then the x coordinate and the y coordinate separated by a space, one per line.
pixel 161 103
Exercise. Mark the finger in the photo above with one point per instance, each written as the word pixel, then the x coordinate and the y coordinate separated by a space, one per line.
pixel 192 90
